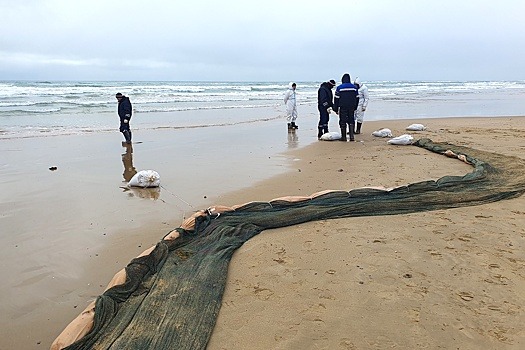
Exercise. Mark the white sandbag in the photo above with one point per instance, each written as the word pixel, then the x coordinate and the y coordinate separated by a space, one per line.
pixel 331 136
pixel 382 133
pixel 401 140
pixel 145 178
pixel 416 127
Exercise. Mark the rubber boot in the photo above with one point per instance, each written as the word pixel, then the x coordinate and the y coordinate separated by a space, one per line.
pixel 343 134
pixel 319 132
pixel 351 132
pixel 294 126
pixel 358 128
pixel 127 136
pixel 325 129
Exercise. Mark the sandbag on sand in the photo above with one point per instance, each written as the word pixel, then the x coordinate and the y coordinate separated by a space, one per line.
pixel 401 140
pixel 382 133
pixel 416 127
pixel 144 179
pixel 331 136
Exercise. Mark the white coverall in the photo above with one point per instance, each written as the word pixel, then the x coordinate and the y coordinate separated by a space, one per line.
pixel 291 104
pixel 363 101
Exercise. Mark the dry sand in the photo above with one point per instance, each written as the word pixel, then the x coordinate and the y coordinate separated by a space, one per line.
pixel 438 280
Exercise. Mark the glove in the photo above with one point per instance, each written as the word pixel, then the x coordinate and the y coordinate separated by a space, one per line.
pixel 126 121
pixel 363 109
pixel 329 110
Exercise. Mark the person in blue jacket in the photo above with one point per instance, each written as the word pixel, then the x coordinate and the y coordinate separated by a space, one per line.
pixel 345 104
pixel 124 113
pixel 324 105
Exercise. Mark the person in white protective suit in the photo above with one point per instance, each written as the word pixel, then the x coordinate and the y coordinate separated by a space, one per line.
pixel 359 114
pixel 291 106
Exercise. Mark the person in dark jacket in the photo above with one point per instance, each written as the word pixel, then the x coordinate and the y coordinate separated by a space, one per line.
pixel 324 105
pixel 345 104
pixel 124 113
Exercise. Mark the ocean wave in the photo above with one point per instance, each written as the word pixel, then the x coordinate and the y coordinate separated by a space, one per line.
pixel 156 109
pixel 30 111
pixel 52 103
pixel 269 87
pixel 18 104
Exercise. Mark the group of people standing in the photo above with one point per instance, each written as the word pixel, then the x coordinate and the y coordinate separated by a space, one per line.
pixel 350 103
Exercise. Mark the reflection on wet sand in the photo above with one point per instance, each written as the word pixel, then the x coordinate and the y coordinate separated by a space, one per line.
pixel 129 172
pixel 127 161
pixel 293 138
pixel 147 193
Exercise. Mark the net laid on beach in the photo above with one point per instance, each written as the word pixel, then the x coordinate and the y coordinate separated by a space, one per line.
pixel 170 296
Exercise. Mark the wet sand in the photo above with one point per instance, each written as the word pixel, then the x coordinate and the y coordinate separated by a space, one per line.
pixel 65 232
pixel 330 284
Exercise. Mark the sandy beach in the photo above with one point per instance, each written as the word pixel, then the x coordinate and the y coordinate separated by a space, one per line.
pixel 448 279
pixel 445 279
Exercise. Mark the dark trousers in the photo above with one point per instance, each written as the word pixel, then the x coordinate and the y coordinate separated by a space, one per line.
pixel 346 116
pixel 324 117
pixel 124 129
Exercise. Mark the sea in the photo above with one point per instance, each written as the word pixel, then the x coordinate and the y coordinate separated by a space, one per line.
pixel 49 108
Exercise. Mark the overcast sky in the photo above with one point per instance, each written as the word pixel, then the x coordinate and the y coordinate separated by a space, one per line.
pixel 265 40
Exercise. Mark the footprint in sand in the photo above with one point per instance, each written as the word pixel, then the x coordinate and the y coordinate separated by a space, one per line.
pixel 466 296
pixel 494 307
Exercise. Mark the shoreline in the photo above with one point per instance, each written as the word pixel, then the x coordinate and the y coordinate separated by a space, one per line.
pixel 69 300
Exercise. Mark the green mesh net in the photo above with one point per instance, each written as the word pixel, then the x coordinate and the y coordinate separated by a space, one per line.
pixel 172 296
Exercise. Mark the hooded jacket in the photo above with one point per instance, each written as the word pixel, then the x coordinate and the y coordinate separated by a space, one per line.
pixel 362 93
pixel 324 96
pixel 289 98
pixel 124 108
pixel 345 95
